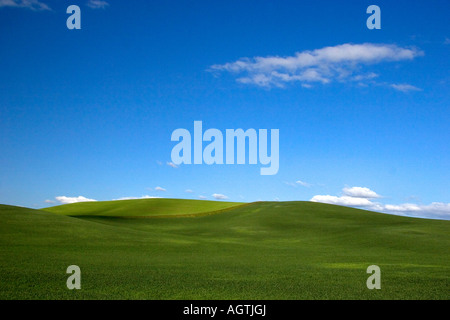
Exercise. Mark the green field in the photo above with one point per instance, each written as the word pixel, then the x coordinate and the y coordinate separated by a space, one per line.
pixel 188 249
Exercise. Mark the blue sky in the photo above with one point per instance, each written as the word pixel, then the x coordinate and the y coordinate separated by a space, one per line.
pixel 363 114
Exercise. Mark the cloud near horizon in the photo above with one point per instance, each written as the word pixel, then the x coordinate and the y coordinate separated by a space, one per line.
pixel 343 200
pixel 134 198
pixel 342 63
pixel 67 200
pixel 361 197
pixel 219 196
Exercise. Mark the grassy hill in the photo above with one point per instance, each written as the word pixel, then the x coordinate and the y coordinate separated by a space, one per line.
pixel 142 208
pixel 263 250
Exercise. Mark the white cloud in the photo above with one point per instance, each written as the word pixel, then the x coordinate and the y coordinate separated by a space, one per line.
pixel 292 184
pixel 404 87
pixel 362 77
pixel 303 183
pixel 189 191
pixel 338 63
pixel 343 200
pixel 219 196
pixel 49 201
pixel 65 200
pixel 360 192
pixel 171 164
pixel 97 4
pixel 202 197
pixel 34 5
pixel 134 198
pixel 361 198
pixel 438 210
pixel 297 183
pixel 160 189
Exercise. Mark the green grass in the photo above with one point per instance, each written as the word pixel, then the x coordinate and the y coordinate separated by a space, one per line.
pixel 142 208
pixel 219 250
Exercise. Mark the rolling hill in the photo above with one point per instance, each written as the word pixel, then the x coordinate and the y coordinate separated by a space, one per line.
pixel 188 249
pixel 142 208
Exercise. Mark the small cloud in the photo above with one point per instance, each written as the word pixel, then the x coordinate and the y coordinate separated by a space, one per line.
pixel 159 163
pixel 97 4
pixel 362 77
pixel 66 200
pixel 160 189
pixel 171 164
pixel 404 87
pixel 360 192
pixel 34 5
pixel 302 183
pixel 202 197
pixel 189 191
pixel 219 196
pixel 292 184
pixel 298 183
pixel 49 201
pixel 447 41
pixel 134 198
